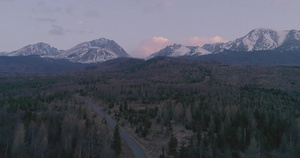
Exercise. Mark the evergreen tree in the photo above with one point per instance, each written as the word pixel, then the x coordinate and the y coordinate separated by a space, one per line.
pixel 183 152
pixel 19 144
pixel 117 143
pixel 173 145
pixel 253 149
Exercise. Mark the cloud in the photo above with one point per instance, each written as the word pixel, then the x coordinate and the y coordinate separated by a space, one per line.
pixel 43 8
pixel 282 1
pixel 45 20
pixel 151 45
pixel 57 30
pixel 200 41
pixel 284 4
pixel 80 22
pixel 69 11
pixel 157 7
pixel 154 44
pixel 92 14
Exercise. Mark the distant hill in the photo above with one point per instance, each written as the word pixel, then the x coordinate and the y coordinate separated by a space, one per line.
pixel 35 64
pixel 262 58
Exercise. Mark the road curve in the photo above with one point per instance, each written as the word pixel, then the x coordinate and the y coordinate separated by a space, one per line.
pixel 136 149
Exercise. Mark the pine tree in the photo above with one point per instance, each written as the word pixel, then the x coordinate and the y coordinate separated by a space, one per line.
pixel 183 152
pixel 253 149
pixel 19 144
pixel 173 145
pixel 117 143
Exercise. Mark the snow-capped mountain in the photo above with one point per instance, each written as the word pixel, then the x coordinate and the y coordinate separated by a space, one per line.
pixel 260 39
pixel 177 50
pixel 292 42
pixel 41 49
pixel 98 50
pixel 3 53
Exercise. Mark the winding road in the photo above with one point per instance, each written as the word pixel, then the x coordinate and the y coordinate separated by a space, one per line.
pixel 136 149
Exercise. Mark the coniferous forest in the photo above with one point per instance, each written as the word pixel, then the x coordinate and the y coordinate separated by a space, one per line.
pixel 174 107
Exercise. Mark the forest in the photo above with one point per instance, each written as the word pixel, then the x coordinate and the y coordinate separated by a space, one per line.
pixel 174 107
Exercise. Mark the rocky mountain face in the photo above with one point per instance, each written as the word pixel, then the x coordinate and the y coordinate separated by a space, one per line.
pixel 102 49
pixel 95 51
pixel 260 39
pixel 99 50
pixel 292 42
pixel 41 49
pixel 177 50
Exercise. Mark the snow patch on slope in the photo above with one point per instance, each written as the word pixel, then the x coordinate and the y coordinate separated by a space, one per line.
pixel 282 36
pixel 178 50
pixel 181 51
pixel 255 40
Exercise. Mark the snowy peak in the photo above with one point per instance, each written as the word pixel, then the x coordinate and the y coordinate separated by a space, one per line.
pixel 41 49
pixel 177 50
pixel 256 40
pixel 98 50
pixel 263 39
pixel 291 43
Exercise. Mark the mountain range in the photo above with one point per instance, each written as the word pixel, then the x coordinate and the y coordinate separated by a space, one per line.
pixel 260 39
pixel 94 51
pixel 255 42
pixel 177 50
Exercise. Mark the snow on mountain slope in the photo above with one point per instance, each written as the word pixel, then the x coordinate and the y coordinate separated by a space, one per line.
pixel 41 49
pixel 3 53
pixel 257 39
pixel 291 43
pixel 98 50
pixel 177 50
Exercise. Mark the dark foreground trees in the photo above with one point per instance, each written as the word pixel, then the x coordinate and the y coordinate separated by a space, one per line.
pixel 37 121
pixel 117 142
pixel 227 111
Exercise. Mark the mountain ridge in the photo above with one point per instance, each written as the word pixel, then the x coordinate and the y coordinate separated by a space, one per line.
pixel 260 39
pixel 102 49
pixel 41 49
pixel 177 50
pixel 98 50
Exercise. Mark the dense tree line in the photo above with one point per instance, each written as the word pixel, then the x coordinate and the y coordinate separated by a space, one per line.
pixel 39 118
pixel 233 111
pixel 187 107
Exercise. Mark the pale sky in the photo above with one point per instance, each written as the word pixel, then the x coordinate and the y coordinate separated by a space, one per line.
pixel 141 27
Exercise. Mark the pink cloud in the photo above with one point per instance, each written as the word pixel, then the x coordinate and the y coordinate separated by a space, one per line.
pixel 80 22
pixel 151 45
pixel 200 41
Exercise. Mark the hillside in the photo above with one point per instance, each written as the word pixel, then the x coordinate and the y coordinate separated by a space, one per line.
pixel 176 107
pixel 34 64
pixel 221 109
pixel 258 58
